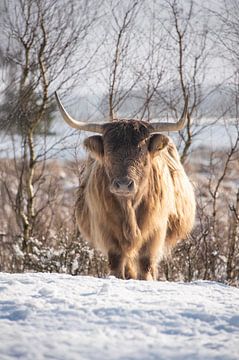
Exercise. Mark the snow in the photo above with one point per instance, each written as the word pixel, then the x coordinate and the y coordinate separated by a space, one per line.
pixel 57 316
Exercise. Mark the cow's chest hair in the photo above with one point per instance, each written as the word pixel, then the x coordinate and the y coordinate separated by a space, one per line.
pixel 129 225
pixel 136 223
pixel 131 233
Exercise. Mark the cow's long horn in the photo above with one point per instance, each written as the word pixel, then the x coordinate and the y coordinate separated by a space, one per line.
pixel 159 127
pixel 79 125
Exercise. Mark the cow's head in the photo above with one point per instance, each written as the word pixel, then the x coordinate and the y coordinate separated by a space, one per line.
pixel 125 148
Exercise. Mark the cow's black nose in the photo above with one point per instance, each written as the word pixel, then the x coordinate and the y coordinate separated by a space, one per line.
pixel 123 184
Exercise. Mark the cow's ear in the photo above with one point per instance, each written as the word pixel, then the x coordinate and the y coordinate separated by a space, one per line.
pixel 157 142
pixel 94 144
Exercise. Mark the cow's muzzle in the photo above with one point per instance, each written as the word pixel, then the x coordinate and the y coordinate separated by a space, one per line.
pixel 123 186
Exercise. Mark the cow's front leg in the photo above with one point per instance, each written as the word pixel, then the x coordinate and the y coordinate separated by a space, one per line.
pixel 149 256
pixel 117 263
pixel 130 269
pixel 150 253
pixel 147 268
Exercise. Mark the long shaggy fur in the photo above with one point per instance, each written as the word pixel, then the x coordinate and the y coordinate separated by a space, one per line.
pixel 136 233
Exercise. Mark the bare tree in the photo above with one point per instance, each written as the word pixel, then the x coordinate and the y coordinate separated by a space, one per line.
pixel 188 58
pixel 119 45
pixel 40 46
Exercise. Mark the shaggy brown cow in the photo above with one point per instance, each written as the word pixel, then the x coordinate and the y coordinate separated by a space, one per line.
pixel 135 201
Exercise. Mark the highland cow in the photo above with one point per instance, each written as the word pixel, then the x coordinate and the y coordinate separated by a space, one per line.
pixel 135 201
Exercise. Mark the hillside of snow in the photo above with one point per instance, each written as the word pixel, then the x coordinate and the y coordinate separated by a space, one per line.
pixel 55 316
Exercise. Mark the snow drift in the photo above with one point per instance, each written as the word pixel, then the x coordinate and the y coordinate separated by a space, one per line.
pixel 52 316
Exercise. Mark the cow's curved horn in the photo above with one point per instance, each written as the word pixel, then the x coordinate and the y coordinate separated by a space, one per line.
pixel 159 127
pixel 79 125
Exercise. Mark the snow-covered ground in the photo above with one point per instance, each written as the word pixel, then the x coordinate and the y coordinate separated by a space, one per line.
pixel 52 316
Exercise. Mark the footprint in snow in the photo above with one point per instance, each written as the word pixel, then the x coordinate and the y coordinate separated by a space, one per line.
pixel 104 290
